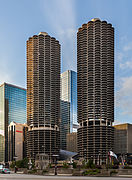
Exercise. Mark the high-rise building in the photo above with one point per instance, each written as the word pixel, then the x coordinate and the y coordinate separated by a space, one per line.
pixel 43 95
pixel 95 83
pixel 123 138
pixel 17 141
pixel 12 108
pixel 68 106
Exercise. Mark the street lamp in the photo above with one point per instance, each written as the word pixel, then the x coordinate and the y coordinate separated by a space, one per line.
pixel 15 157
pixel 55 156
pixel 92 158
pixel 85 155
pixel 103 156
pixel 99 158
pixel 126 158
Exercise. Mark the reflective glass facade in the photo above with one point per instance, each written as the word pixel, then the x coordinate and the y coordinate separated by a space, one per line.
pixel 2 124
pixel 68 105
pixel 12 108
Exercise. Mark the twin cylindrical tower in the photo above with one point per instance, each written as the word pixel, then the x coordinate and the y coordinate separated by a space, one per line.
pixel 95 72
pixel 95 92
pixel 43 95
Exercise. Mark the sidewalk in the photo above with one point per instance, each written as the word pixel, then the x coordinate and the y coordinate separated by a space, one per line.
pixel 125 176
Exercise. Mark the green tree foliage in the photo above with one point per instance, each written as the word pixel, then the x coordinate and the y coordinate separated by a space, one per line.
pixel 91 172
pixel 90 164
pixel 12 164
pixel 74 164
pixel 20 164
pixel 65 165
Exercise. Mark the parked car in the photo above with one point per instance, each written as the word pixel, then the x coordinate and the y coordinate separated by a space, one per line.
pixel 5 171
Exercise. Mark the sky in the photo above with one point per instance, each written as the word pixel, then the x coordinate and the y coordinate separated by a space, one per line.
pixel 61 19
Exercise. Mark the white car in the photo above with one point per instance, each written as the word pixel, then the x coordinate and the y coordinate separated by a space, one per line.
pixel 5 171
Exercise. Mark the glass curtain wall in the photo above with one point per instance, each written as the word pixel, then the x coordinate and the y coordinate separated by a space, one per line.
pixel 12 108
pixel 68 105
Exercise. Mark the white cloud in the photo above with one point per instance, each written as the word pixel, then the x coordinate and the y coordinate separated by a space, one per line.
pixel 120 56
pixel 61 17
pixel 124 38
pixel 6 74
pixel 123 57
pixel 4 77
pixel 126 88
pixel 125 65
pixel 117 122
pixel 124 96
pixel 128 47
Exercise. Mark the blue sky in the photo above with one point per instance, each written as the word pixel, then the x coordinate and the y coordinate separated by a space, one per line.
pixel 61 18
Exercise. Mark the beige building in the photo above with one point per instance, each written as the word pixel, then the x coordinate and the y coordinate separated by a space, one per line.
pixel 72 142
pixel 123 138
pixel 17 134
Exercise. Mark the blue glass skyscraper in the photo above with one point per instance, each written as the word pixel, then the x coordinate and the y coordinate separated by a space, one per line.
pixel 12 108
pixel 68 105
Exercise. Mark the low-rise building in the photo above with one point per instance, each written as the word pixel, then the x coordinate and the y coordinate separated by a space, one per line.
pixel 72 142
pixel 17 141
pixel 123 138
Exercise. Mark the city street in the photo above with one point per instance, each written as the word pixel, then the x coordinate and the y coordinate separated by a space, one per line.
pixel 35 177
